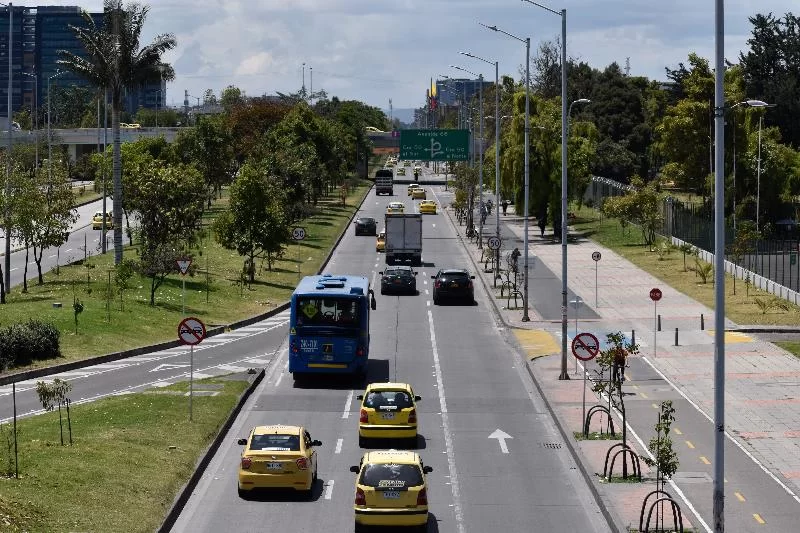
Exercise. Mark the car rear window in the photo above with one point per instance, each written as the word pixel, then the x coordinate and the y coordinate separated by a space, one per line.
pixel 455 276
pixel 278 443
pixel 388 400
pixel 387 476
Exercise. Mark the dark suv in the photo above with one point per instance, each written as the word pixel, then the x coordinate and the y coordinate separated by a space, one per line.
pixel 453 284
pixel 366 226
pixel 398 279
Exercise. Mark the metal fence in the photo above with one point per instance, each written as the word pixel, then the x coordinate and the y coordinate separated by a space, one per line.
pixel 775 259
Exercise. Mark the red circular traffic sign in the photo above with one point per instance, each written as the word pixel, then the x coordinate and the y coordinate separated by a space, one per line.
pixel 191 330
pixel 655 294
pixel 585 346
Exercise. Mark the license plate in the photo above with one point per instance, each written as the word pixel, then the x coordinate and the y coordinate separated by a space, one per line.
pixel 391 495
pixel 397 281
pixel 454 284
pixel 387 416
pixel 274 466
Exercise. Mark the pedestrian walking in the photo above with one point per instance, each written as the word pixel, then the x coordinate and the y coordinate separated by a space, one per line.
pixel 505 207
pixel 542 225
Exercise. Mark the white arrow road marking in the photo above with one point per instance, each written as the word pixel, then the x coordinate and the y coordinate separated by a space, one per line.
pixel 501 437
pixel 168 366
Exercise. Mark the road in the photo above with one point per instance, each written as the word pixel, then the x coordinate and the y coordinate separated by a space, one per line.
pixel 82 237
pixel 472 384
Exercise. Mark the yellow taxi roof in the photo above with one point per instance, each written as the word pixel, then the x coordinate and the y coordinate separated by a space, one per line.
pixel 397 457
pixel 388 386
pixel 277 430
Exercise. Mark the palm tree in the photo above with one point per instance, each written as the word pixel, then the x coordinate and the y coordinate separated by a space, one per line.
pixel 114 61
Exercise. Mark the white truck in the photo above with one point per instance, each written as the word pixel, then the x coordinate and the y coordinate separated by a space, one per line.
pixel 403 238
pixel 384 181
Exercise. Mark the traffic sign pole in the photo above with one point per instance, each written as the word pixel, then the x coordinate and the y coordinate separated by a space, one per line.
pixel 585 347
pixel 655 295
pixel 191 379
pixel 596 257
pixel 191 331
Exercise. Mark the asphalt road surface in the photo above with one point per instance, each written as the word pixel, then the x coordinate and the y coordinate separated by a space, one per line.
pixel 472 384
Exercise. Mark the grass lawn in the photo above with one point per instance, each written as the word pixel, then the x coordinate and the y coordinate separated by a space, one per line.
pixel 740 307
pixel 793 347
pixel 130 455
pixel 217 297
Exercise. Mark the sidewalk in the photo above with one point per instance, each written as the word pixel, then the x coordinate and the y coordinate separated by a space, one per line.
pixel 762 402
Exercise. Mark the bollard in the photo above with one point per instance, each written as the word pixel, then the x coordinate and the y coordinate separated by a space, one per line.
pixel 659 323
pixel 702 322
pixel 676 336
pixel 633 336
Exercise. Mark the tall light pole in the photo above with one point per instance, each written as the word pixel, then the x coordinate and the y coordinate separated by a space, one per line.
pixel 103 166
pixel 7 228
pixel 35 77
pixel 496 137
pixel 480 151
pixel 563 14
pixel 49 140
pixel 527 41
pixel 758 178
pixel 745 103
pixel 719 270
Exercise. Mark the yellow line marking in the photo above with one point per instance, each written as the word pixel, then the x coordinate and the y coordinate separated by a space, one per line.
pixel 635 386
pixel 537 342
pixel 733 337
pixel 739 496
pixel 643 395
pixel 758 518
pixel 706 461
pixel 677 431
pixel 690 445
pixel 654 406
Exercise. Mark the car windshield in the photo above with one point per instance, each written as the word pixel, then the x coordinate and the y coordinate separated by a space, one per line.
pixel 391 476
pixel 388 398
pixel 326 312
pixel 277 443
pixel 399 273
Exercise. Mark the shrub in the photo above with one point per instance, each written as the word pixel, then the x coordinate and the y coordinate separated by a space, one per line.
pixel 20 344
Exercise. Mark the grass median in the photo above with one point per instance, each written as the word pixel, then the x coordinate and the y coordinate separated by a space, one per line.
pixel 130 456
pixel 111 321
pixel 672 268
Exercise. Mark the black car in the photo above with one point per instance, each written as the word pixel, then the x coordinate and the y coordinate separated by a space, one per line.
pixel 366 226
pixel 398 279
pixel 453 284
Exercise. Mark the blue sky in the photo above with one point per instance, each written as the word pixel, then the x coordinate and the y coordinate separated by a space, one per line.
pixel 374 50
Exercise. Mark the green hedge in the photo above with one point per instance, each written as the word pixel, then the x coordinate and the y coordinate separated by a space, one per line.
pixel 20 344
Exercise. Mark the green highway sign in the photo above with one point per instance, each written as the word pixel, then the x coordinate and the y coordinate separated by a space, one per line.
pixel 434 145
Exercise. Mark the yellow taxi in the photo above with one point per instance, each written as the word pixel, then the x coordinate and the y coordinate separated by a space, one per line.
pixel 406 163
pixel 396 207
pixel 97 221
pixel 427 207
pixel 401 171
pixel 412 187
pixel 388 411
pixel 418 194
pixel 380 242
pixel 391 490
pixel 278 457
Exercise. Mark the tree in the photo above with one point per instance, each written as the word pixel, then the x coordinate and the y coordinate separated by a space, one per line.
pixel 231 97
pixel 209 147
pixel 168 204
pixel 53 216
pixel 115 61
pixel 56 395
pixel 743 242
pixel 255 223
pixel 664 457
pixel 641 207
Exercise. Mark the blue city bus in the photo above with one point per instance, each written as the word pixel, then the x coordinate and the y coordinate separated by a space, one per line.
pixel 329 325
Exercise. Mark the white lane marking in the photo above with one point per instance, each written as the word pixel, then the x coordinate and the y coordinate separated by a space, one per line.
pixel 734 441
pixel 426 291
pixel 374 273
pixel 278 381
pixel 346 412
pixel 329 489
pixel 428 303
pixel 68 250
pixel 52 256
pixel 338 446
pixel 448 437
pixel 13 269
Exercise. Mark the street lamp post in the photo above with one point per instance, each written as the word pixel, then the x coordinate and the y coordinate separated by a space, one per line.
pixel 758 178
pixel 480 152
pixel 527 41
pixel 745 103
pixel 35 77
pixel 563 14
pixel 49 140
pixel 7 228
pixel 496 137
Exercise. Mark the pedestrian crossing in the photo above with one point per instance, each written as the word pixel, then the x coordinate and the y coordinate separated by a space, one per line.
pixel 274 322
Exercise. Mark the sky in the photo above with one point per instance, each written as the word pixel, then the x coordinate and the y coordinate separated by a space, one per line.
pixel 376 50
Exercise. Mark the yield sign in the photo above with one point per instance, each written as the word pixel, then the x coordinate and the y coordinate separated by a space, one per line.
pixel 183 265
pixel 585 346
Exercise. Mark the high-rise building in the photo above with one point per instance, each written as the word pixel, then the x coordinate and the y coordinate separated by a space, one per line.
pixel 38 33
pixel 453 91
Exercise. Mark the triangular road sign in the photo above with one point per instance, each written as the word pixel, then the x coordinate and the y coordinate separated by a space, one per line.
pixel 183 265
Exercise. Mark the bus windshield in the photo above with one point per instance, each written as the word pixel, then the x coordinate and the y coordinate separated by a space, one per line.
pixel 326 312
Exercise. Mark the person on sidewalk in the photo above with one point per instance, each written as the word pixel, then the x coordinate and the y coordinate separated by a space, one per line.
pixel 505 206
pixel 541 225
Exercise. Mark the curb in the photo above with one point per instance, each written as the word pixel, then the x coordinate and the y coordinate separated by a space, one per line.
pixel 186 492
pixel 608 514
pixel 107 358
